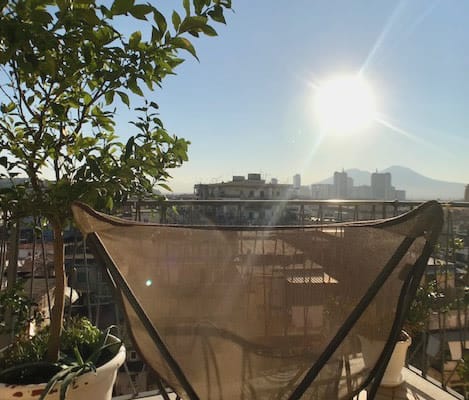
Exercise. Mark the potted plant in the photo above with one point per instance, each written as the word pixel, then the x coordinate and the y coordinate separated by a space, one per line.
pixel 65 65
pixel 421 308
pixel 87 365
pixel 372 337
pixel 371 348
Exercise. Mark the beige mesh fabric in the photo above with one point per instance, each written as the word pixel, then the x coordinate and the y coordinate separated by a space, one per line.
pixel 246 312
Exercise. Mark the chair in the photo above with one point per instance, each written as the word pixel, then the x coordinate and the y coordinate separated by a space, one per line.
pixel 221 312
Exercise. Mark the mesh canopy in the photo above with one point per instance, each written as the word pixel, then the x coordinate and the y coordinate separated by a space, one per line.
pixel 265 312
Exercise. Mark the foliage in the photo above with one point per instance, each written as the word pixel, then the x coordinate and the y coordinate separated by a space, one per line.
pixel 99 350
pixel 463 372
pixel 424 302
pixel 14 302
pixel 66 65
pixel 83 348
pixel 77 333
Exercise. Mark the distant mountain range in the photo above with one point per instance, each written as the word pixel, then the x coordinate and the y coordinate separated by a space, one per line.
pixel 417 186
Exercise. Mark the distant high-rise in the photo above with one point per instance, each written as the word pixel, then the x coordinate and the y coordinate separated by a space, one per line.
pixel 296 181
pixel 381 186
pixel 343 188
pixel 341 185
pixel 466 193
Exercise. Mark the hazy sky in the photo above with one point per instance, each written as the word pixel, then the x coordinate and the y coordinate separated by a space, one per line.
pixel 248 105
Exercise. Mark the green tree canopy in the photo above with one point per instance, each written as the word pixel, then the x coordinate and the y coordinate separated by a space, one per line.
pixel 65 66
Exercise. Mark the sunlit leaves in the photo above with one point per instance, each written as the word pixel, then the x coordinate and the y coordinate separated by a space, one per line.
pixel 217 14
pixel 121 6
pixel 124 97
pixel 7 108
pixel 135 39
pixel 183 43
pixel 176 20
pixel 187 7
pixel 68 68
pixel 140 11
pixel 192 23
pixel 132 85
pixel 160 21
pixel 109 96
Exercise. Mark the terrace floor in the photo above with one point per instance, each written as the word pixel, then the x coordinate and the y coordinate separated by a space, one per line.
pixel 414 388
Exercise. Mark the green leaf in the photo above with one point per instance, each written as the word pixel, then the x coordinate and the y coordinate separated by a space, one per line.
pixel 192 23
pixel 208 30
pixel 121 6
pixel 160 21
pixel 124 98
pixel 176 20
pixel 41 16
pixel 4 108
pixel 132 85
pixel 109 97
pixel 129 147
pixel 140 11
pixel 87 99
pixel 217 14
pixel 4 161
pixel 165 186
pixel 199 5
pixel 156 35
pixel 135 39
pixel 58 109
pixel 110 203
pixel 183 43
pixel 88 15
pixel 187 7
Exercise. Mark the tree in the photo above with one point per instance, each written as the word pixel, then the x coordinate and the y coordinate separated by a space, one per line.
pixel 65 66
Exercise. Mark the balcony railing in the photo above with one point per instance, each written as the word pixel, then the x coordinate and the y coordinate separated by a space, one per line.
pixel 438 348
pixel 442 343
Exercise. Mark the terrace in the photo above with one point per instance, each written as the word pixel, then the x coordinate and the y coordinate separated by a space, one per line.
pixel 434 359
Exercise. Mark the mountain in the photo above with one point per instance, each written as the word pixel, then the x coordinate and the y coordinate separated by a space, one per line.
pixel 421 187
pixel 417 186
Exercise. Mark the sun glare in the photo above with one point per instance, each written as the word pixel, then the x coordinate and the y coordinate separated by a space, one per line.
pixel 344 105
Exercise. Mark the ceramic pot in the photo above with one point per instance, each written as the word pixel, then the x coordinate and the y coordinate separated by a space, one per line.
pixel 92 385
pixel 371 350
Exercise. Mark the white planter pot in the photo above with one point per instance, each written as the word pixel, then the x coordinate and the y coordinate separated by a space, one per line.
pixel 393 374
pixel 88 386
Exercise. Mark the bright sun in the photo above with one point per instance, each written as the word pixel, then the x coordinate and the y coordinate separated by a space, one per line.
pixel 344 105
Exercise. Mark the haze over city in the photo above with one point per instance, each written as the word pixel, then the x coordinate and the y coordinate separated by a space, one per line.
pixel 249 105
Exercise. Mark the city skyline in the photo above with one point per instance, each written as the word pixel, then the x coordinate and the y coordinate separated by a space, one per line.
pixel 343 187
pixel 404 183
pixel 248 105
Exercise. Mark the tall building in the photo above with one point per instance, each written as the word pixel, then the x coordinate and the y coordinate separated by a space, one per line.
pixel 343 188
pixel 466 193
pixel 381 186
pixel 296 181
pixel 341 185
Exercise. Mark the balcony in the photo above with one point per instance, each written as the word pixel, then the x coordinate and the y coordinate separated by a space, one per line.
pixel 414 388
pixel 436 351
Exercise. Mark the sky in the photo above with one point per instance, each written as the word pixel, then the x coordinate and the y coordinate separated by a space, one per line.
pixel 248 105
